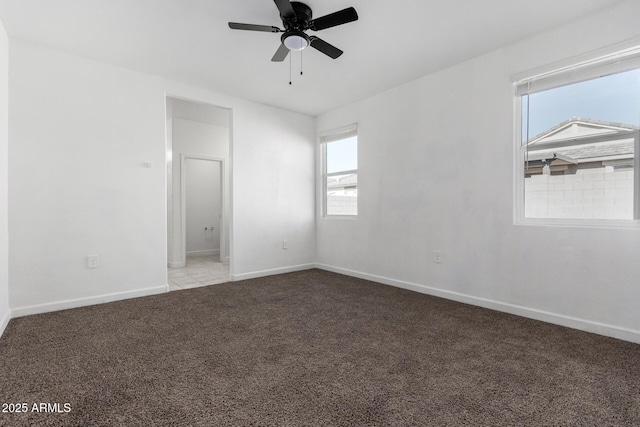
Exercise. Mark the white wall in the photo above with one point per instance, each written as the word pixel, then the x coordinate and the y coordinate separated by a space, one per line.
pixel 80 133
pixel 4 137
pixel 195 138
pixel 273 187
pixel 430 155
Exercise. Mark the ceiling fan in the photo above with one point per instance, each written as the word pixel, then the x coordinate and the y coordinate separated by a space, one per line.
pixel 297 18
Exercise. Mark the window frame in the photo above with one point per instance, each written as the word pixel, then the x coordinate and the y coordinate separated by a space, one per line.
pixel 614 59
pixel 326 138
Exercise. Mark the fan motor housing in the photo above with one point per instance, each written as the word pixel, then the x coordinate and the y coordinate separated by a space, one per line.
pixel 303 16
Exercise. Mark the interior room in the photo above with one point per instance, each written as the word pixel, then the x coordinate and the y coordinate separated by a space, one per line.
pixel 198 223
pixel 396 228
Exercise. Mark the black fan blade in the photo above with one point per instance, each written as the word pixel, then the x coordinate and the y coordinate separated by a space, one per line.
pixel 280 54
pixel 337 18
pixel 285 8
pixel 325 47
pixel 252 27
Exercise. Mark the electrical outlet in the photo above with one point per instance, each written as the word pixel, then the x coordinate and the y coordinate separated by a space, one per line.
pixel 285 244
pixel 92 261
pixel 437 257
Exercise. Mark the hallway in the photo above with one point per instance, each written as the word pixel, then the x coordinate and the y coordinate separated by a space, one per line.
pixel 201 270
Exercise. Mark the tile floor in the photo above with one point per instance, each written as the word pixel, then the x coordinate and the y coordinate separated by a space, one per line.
pixel 201 270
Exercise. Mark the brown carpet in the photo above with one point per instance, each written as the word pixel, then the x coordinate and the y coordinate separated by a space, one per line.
pixel 311 349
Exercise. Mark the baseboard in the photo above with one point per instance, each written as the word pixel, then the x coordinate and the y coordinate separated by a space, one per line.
pixel 4 322
pixel 82 302
pixel 264 273
pixel 531 313
pixel 203 253
pixel 175 264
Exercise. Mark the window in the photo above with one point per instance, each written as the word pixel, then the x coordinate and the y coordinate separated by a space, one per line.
pixel 578 142
pixel 340 172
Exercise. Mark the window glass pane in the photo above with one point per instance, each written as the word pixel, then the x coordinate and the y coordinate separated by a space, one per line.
pixel 579 148
pixel 611 98
pixel 342 194
pixel 342 155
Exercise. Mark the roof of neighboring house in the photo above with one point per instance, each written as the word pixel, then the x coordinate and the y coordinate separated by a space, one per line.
pixel 346 181
pixel 578 140
pixel 601 150
pixel 579 128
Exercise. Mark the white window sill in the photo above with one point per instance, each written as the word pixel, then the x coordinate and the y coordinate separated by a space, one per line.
pixel 351 217
pixel 579 223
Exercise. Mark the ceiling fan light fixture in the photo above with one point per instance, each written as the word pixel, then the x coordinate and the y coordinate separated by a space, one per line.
pixel 295 40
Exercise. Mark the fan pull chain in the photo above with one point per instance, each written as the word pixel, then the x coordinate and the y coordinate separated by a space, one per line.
pixel 291 66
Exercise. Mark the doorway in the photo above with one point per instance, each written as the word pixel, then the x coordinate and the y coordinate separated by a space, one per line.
pixel 202 181
pixel 198 211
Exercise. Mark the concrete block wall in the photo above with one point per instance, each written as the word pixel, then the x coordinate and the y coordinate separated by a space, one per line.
pixel 342 205
pixel 602 193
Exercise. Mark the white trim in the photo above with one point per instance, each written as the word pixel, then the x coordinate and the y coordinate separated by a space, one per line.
pixel 518 310
pixel 4 322
pixel 337 134
pixel 83 302
pixel 611 59
pixel 271 272
pixel 175 264
pixel 168 194
pixel 620 224
pixel 636 179
pixel 340 217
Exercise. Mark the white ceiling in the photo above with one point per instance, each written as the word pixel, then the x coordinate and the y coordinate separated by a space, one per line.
pixel 189 41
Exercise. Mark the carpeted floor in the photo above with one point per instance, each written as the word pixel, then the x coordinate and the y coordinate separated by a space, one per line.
pixel 310 349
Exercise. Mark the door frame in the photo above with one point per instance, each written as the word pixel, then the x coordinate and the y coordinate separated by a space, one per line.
pixel 183 204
